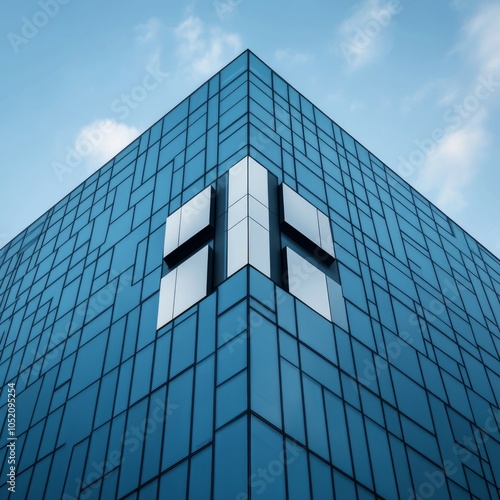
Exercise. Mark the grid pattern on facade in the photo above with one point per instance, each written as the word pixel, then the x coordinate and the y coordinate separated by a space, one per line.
pixel 403 404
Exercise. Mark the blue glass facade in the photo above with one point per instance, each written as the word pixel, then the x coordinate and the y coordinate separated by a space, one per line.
pixel 250 393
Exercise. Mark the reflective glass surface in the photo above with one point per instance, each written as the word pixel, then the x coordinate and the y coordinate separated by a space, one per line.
pixel 337 304
pixel 250 392
pixel 184 286
pixel 307 283
pixel 195 215
pixel 306 223
pixel 166 299
pixel 192 281
pixel 189 226
pixel 248 239
pixel 237 247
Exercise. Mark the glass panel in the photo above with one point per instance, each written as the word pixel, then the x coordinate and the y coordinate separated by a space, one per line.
pixel 89 363
pixel 200 475
pixel 321 479
pixel 286 311
pixel 289 348
pixel 292 401
pixel 381 461
pixel 206 327
pixel 307 283
pixel 337 430
pixel 192 281
pixel 412 399
pixel 361 327
pixel 244 178
pixel 267 479
pixel 258 182
pixel 231 358
pixel 178 421
pixel 315 417
pixel 166 301
pixel 319 369
pixel 297 472
pixel 146 492
pixel 306 224
pixel 174 483
pixel 259 244
pixel 422 441
pixel 183 346
pixel 162 356
pixel 316 332
pixel 358 446
pixel 232 291
pixel 325 233
pixel 196 215
pixel 154 433
pixel 258 212
pixel 189 226
pixel 337 304
pixel 231 399
pixel 238 184
pixel 232 323
pixel 39 479
pixel 203 404
pixel 230 467
pixel 237 212
pixel 132 449
pixel 142 374
pixel 344 487
pixel 237 243
pixel 300 214
pixel 172 229
pixel 264 369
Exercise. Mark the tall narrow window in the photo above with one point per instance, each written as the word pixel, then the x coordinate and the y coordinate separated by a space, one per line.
pixel 248 240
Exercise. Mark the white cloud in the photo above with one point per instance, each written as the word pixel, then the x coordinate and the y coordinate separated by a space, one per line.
pixel 362 37
pixel 451 168
pixel 101 140
pixel 449 173
pixel 148 31
pixel 480 42
pixel 446 91
pixel 292 57
pixel 204 50
pixel 482 39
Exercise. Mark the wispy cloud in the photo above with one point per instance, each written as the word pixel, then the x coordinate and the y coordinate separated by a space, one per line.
pixel 148 31
pixel 454 164
pixel 455 160
pixel 102 140
pixel 445 89
pixel 203 49
pixel 362 37
pixel 482 39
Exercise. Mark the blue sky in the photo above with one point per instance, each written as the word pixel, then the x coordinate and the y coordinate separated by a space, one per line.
pixel 416 82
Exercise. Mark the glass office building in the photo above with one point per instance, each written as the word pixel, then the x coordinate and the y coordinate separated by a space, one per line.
pixel 246 303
